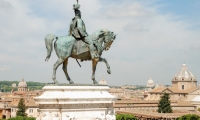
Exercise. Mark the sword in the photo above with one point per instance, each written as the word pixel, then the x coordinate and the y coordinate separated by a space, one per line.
pixel 78 62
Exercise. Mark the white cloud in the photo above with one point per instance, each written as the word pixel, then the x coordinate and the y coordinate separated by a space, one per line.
pixel 125 10
pixel 5 68
pixel 132 27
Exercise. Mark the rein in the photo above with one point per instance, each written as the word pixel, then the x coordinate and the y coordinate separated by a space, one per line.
pixel 106 43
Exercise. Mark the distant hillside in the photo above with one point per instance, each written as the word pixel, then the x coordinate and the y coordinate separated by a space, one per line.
pixel 6 86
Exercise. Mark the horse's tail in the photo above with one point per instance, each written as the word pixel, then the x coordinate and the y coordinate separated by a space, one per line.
pixel 48 42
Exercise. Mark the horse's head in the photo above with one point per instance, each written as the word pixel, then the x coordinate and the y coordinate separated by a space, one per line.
pixel 109 37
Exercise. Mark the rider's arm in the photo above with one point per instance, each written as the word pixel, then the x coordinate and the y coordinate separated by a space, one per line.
pixel 85 29
pixel 80 27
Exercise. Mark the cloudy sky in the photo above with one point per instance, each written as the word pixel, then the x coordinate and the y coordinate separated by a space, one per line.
pixel 154 39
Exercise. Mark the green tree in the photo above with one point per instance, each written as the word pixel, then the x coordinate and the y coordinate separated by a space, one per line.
pixel 5 86
pixel 189 117
pixel 198 109
pixel 164 104
pixel 125 117
pixel 22 118
pixel 21 108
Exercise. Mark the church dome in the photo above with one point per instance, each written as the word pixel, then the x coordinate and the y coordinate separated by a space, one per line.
pixel 102 82
pixel 184 74
pixel 150 83
pixel 22 83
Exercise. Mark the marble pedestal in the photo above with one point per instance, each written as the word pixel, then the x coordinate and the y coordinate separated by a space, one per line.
pixel 76 102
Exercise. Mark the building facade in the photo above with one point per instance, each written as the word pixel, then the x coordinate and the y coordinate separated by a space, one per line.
pixel 184 88
pixel 32 108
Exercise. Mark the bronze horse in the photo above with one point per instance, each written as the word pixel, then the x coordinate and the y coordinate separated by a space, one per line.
pixel 65 47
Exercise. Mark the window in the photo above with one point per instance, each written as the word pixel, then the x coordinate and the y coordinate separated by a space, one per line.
pixel 182 87
pixel 30 110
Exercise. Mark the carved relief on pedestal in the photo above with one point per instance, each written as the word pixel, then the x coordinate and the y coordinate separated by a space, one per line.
pixel 110 115
pixel 56 116
pixel 38 116
pixel 45 116
pixel 100 117
pixel 68 117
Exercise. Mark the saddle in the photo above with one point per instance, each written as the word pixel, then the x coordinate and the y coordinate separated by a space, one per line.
pixel 81 47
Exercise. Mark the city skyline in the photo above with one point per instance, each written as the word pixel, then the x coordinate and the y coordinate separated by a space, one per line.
pixel 159 36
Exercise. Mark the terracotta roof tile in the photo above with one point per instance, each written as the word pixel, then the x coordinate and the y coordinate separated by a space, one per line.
pixel 184 103
pixel 176 90
pixel 172 89
pixel 158 89
pixel 28 102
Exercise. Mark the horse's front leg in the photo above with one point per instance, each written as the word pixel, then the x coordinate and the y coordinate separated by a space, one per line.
pixel 107 65
pixel 58 62
pixel 94 65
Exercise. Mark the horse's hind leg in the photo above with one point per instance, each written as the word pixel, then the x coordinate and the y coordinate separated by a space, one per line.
pixel 107 65
pixel 58 62
pixel 94 64
pixel 65 71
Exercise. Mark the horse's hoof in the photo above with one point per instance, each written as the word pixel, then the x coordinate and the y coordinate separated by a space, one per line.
pixel 56 82
pixel 95 82
pixel 109 72
pixel 71 82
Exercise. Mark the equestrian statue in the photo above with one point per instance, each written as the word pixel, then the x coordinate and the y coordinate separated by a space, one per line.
pixel 79 45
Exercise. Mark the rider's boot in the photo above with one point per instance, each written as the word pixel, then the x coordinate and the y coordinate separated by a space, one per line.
pixel 93 51
pixel 99 49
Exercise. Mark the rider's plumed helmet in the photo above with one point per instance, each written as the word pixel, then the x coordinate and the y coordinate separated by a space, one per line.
pixel 76 9
pixel 76 6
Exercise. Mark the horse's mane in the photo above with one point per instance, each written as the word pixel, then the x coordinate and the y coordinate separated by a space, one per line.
pixel 94 36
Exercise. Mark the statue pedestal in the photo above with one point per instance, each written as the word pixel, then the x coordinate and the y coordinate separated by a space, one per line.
pixel 76 102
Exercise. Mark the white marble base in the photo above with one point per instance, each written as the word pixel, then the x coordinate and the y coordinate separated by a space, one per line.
pixel 76 102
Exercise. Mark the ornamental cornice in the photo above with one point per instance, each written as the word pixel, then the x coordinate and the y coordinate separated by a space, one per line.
pixel 76 106
pixel 74 100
